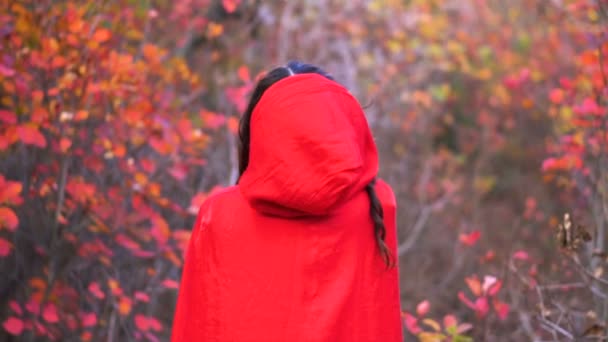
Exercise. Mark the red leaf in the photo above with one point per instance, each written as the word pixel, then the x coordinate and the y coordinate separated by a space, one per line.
pixel 102 35
pixel 481 306
pixel 212 120
pixel 96 290
pixel 233 125
pixel 33 306
pixel 141 322
pixel 13 326
pixel 30 135
pixel 145 323
pixel 126 242
pixel 243 73
pixel 450 321
pixel 143 254
pixel 502 309
pixel 151 337
pixel 179 171
pixel 196 202
pixel 471 238
pixel 170 284
pixel 8 219
pixel 556 96
pixel 230 5
pixel 16 307
pixel 463 298
pixel 155 324
pixel 50 313
pixel 64 144
pixel 89 319
pixel 6 71
pixel 423 308
pixel 589 106
pixel 142 296
pixel 124 305
pixel 493 289
pixel 521 255
pixel 8 117
pixel 160 230
pixel 238 96
pixel 562 163
pixel 5 247
pixel 411 323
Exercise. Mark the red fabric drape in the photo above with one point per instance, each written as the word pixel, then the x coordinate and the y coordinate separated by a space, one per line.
pixel 289 254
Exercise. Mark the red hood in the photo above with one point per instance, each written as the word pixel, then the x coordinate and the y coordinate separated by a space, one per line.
pixel 311 148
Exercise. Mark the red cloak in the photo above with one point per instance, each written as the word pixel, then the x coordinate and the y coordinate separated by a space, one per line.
pixel 289 253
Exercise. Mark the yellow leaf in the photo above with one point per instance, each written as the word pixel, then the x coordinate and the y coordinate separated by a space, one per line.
pixel 432 324
pixel 431 337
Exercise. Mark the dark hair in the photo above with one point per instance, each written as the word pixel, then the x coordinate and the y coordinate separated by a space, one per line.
pixel 266 82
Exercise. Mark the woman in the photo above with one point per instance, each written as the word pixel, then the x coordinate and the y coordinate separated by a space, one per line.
pixel 303 247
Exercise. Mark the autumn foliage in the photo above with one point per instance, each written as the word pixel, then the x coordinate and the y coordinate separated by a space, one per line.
pixel 118 118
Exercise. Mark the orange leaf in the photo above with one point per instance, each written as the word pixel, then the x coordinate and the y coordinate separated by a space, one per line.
pixel 13 326
pixel 81 115
pixel 5 247
pixel 152 53
pixel 160 230
pixel 102 35
pixel 8 219
pixel 124 305
pixel 30 135
pixel 214 30
pixel 114 287
pixel 64 144
pixel 243 73
pixel 120 150
pixel 76 25
pixel 233 125
pixel 38 284
pixel 10 191
pixel 474 284
pixel 86 336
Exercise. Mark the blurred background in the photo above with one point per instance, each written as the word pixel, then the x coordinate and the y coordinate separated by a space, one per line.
pixel 119 117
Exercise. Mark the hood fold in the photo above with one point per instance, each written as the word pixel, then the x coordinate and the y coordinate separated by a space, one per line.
pixel 311 148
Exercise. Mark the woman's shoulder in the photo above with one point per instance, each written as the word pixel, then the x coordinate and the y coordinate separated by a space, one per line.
pixel 385 193
pixel 219 202
pixel 221 196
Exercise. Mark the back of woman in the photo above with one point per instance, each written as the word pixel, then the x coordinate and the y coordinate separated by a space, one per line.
pixel 303 247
